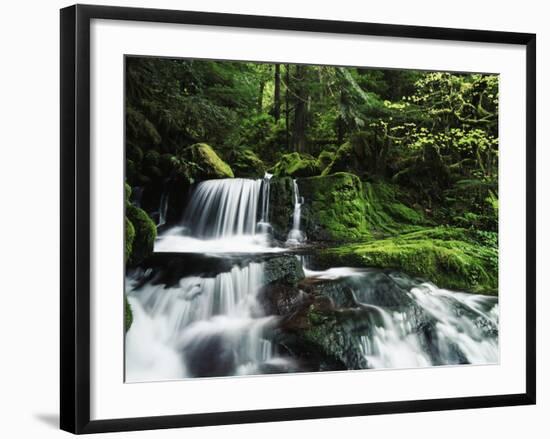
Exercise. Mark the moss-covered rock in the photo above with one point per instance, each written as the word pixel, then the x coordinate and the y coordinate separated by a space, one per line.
pixel 128 315
pixel 355 156
pixel 127 192
pixel 145 234
pixel 246 164
pixel 341 160
pixel 129 235
pixel 334 334
pixel 450 257
pixel 296 165
pixel 334 207
pixel 325 159
pixel 207 164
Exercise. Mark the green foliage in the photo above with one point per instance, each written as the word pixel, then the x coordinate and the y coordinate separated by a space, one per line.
pixel 379 154
pixel 296 165
pixel 145 234
pixel 325 159
pixel 140 129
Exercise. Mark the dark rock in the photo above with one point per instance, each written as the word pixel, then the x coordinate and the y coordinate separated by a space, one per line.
pixel 338 291
pixel 210 357
pixel 283 269
pixel 282 299
pixel 281 206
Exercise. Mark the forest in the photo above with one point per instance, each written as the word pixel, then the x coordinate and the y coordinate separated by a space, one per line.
pixel 370 169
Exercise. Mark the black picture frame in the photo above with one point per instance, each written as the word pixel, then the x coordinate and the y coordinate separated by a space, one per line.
pixel 75 217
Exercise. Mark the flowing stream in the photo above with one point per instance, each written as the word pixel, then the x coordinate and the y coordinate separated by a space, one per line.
pixel 193 320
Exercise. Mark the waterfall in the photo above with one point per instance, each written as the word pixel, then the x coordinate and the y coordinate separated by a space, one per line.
pixel 163 208
pixel 295 235
pixel 227 215
pixel 263 225
pixel 222 208
pixel 202 326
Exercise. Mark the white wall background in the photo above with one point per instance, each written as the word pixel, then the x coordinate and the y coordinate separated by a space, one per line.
pixel 29 219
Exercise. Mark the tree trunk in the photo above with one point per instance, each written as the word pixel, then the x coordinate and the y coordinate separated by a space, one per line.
pixel 287 105
pixel 261 96
pixel 340 122
pixel 300 111
pixel 277 93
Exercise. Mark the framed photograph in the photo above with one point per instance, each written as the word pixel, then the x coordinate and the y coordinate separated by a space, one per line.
pixel 268 218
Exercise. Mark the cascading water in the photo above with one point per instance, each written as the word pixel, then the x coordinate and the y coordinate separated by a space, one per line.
pixel 163 208
pixel 223 208
pixel 415 324
pixel 296 236
pixel 223 216
pixel 263 225
pixel 239 320
pixel 202 326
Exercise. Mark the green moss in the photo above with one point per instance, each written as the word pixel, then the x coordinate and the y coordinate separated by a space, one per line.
pixel 246 164
pixel 127 192
pixel 354 156
pixel 145 234
pixel 207 164
pixel 341 160
pixel 130 234
pixel 450 257
pixel 128 315
pixel 334 207
pixel 325 158
pixel 296 165
pixel 385 211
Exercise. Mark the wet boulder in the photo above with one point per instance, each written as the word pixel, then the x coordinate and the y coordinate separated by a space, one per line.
pixel 283 269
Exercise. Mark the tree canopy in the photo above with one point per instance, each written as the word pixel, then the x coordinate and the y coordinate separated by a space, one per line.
pixel 435 134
